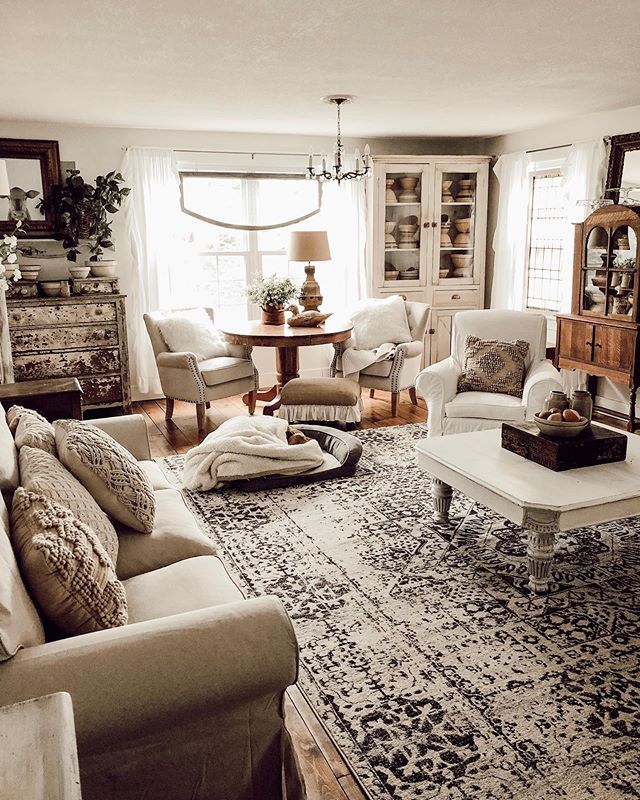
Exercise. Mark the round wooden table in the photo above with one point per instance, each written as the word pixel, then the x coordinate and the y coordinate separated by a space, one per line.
pixel 286 340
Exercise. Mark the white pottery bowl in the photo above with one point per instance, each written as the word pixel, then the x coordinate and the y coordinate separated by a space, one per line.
pixel 51 288
pixel 561 430
pixel 102 269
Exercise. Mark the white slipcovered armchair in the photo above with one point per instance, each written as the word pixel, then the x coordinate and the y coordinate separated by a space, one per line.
pixel 183 377
pixel 398 372
pixel 453 412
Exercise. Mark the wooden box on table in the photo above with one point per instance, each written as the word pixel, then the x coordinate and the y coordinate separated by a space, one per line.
pixel 595 445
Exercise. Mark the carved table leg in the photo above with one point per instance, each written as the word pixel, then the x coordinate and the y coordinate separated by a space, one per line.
pixel 287 368
pixel 541 527
pixel 441 494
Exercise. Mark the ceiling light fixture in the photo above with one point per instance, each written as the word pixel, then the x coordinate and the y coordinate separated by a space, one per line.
pixel 335 171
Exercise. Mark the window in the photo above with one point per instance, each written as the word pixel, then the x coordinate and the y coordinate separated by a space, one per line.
pixel 223 260
pixel 546 241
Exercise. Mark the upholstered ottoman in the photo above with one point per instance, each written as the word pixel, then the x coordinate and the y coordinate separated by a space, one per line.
pixel 321 400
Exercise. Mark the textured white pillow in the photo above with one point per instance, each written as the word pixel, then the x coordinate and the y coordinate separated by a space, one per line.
pixel 192 332
pixel 376 322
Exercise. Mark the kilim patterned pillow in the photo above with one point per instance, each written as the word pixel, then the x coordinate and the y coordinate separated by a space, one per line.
pixel 68 571
pixel 493 366
pixel 109 472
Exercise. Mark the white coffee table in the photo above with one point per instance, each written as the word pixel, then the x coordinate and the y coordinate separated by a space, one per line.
pixel 543 502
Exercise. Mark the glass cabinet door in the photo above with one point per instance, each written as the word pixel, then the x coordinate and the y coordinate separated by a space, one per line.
pixel 456 191
pixel 404 262
pixel 609 273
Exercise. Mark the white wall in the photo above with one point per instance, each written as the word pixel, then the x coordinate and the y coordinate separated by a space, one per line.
pixel 97 150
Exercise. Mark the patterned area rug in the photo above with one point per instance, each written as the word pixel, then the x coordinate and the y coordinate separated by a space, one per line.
pixel 434 669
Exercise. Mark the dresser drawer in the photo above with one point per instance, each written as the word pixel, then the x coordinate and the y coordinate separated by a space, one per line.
pixel 100 391
pixel 62 314
pixel 450 298
pixel 62 365
pixel 75 336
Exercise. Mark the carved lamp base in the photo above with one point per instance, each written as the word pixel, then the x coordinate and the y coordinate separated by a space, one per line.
pixel 310 296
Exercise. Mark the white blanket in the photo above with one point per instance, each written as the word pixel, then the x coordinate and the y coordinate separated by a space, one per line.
pixel 247 447
pixel 354 361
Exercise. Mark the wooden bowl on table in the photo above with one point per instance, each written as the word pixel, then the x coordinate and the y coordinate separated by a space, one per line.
pixel 561 430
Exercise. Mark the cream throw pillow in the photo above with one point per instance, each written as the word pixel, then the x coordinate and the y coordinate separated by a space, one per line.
pixel 377 322
pixel 42 473
pixel 109 472
pixel 32 429
pixel 192 332
pixel 69 574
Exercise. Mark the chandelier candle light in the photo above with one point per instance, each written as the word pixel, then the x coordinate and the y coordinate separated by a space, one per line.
pixel 336 171
pixel 309 246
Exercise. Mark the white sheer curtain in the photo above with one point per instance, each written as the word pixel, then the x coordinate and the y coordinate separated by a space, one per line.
pixel 343 215
pixel 509 239
pixel 152 214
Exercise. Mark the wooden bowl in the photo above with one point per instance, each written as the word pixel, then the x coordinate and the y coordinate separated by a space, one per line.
pixel 561 430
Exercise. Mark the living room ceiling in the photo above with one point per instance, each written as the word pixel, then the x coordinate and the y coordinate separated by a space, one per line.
pixel 426 68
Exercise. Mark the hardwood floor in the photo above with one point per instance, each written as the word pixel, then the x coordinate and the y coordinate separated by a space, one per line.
pixel 327 774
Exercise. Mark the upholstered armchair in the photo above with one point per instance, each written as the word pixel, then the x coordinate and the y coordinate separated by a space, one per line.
pixel 183 377
pixel 398 372
pixel 453 412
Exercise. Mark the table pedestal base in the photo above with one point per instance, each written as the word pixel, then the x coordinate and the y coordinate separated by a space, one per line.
pixel 287 368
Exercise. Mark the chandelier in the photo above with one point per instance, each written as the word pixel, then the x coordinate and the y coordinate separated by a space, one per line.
pixel 335 171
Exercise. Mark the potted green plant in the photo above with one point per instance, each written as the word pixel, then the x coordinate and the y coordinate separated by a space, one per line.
pixel 272 294
pixel 82 212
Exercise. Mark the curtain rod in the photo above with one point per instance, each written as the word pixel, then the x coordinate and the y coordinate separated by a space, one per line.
pixel 251 153
pixel 606 140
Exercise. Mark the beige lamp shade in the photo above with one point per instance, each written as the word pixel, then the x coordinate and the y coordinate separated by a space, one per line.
pixel 4 178
pixel 309 246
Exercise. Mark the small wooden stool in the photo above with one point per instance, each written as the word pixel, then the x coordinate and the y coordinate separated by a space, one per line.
pixel 321 400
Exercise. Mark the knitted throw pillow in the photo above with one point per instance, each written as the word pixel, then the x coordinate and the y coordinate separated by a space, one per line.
pixel 109 472
pixel 493 366
pixel 43 474
pixel 66 568
pixel 31 429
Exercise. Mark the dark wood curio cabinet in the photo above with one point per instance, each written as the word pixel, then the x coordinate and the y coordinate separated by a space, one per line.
pixel 600 336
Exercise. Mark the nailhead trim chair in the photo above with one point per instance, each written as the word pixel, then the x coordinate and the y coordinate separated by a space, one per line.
pixel 183 377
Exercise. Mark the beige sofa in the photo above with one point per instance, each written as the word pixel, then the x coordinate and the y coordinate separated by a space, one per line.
pixel 186 701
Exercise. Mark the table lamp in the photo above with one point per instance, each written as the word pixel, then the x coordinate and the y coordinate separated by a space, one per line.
pixel 309 246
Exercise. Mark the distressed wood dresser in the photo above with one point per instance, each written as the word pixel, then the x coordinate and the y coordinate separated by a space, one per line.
pixel 83 337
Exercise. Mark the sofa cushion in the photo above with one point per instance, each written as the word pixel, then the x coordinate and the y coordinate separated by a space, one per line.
pixel 42 473
pixel 486 405
pixel 20 624
pixel 220 370
pixel 9 476
pixel 33 430
pixel 68 571
pixel 109 472
pixel 156 476
pixel 175 536
pixel 491 365
pixel 184 586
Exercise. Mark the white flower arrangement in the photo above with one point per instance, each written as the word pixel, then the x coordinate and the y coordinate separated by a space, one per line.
pixel 9 256
pixel 272 292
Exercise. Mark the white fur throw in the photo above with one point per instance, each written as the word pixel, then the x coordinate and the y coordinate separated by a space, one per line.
pixel 247 447
pixel 376 322
pixel 192 332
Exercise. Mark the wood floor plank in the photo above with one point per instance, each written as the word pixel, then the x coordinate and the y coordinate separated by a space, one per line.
pixel 319 779
pixel 332 755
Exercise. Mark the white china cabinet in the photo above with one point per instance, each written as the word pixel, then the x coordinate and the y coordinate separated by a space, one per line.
pixel 427 236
